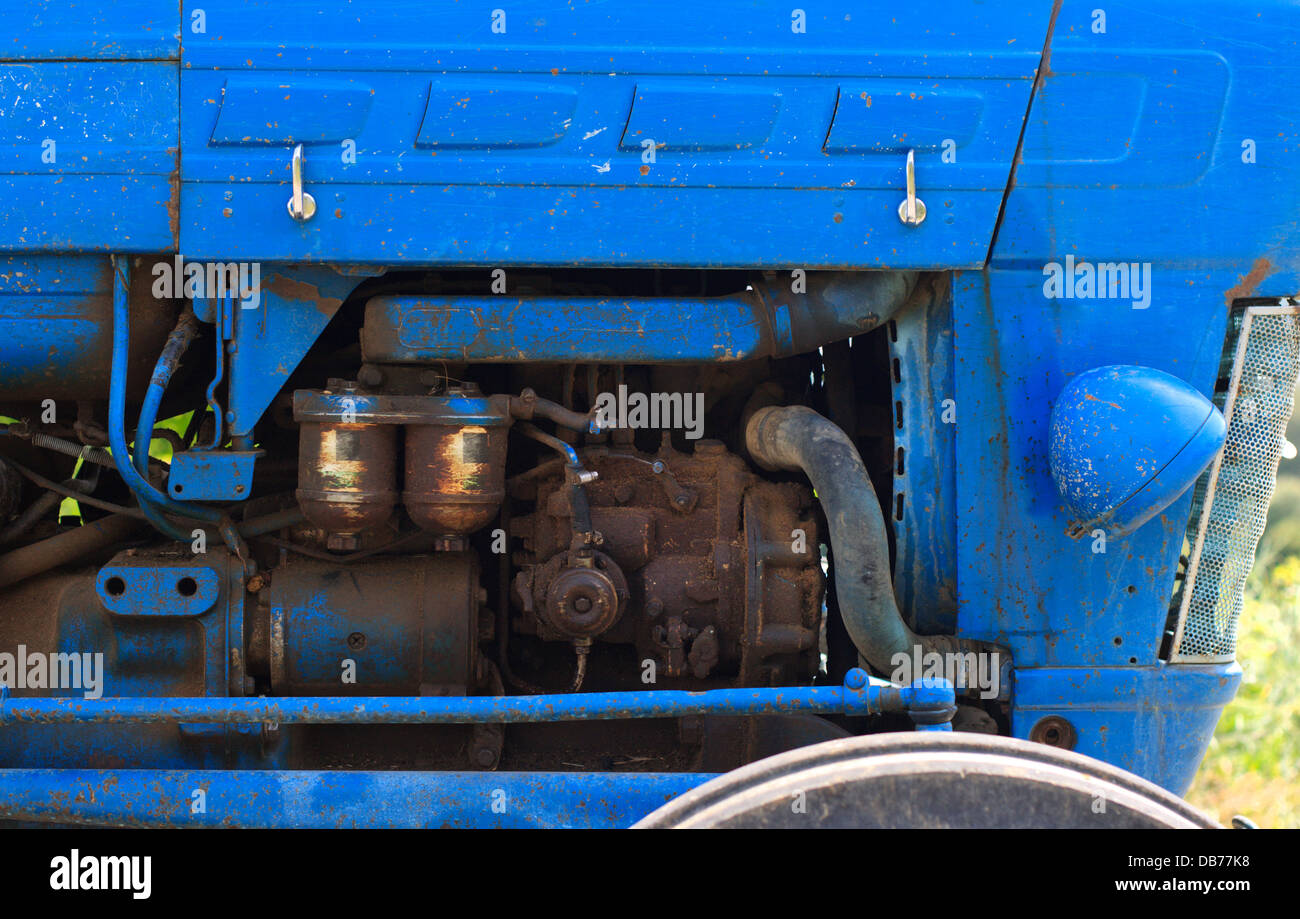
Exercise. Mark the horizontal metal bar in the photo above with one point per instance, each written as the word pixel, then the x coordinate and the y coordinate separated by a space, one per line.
pixel 767 319
pixel 929 703
pixel 305 800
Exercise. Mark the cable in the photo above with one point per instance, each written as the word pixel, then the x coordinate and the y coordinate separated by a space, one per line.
pixel 55 487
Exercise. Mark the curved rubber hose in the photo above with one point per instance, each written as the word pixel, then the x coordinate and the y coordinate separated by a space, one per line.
pixel 797 439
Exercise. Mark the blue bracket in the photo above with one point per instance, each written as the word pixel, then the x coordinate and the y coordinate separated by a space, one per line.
pixel 152 590
pixel 271 338
pixel 212 475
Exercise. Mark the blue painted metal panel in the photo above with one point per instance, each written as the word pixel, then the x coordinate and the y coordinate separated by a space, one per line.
pixel 465 225
pixel 1137 144
pixel 673 115
pixel 87 156
pixel 299 799
pixel 259 110
pixel 271 338
pixel 527 148
pixel 69 30
pixel 1023 581
pixel 55 324
pixel 1137 150
pixel 925 437
pixel 484 113
pixel 1153 721
pixel 878 117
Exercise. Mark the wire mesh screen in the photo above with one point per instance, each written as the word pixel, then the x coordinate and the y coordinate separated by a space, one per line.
pixel 1240 485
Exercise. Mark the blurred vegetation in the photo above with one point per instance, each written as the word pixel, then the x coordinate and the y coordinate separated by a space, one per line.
pixel 1253 764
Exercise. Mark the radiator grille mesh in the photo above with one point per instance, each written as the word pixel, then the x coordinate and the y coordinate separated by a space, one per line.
pixel 1240 483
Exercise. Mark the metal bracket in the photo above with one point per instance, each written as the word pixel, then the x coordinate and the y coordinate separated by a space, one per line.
pixel 212 475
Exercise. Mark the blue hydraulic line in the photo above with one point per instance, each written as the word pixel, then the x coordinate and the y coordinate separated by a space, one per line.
pixel 150 499
pixel 138 484
pixel 177 342
pixel 930 703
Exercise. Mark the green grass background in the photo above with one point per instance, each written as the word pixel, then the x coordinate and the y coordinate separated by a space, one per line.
pixel 1253 764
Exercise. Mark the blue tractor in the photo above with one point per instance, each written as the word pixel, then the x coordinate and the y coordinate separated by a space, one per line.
pixel 533 413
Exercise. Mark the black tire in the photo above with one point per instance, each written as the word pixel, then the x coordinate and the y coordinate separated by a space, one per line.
pixel 930 779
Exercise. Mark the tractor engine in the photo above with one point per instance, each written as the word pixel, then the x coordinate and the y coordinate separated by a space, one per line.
pixel 688 557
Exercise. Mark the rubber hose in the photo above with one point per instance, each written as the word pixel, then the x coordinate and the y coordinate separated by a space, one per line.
pixel 797 439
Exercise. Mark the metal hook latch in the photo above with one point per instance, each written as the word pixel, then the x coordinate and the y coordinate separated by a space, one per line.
pixel 911 210
pixel 302 206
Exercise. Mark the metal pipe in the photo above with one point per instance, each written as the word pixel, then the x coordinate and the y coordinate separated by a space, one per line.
pixel 39 557
pixel 45 503
pixel 187 327
pixel 269 523
pixel 139 485
pixel 73 493
pixel 797 439
pixel 529 405
pixel 566 451
pixel 775 317
pixel 28 561
pixel 39 508
pixel 929 702
pixel 151 500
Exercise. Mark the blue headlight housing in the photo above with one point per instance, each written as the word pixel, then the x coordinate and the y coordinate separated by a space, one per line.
pixel 1126 442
